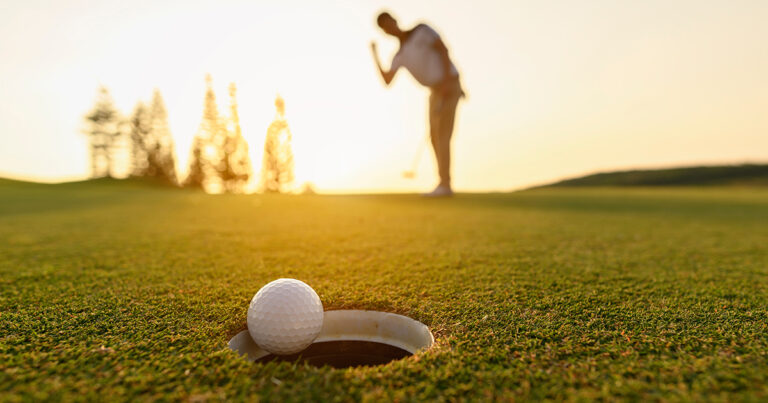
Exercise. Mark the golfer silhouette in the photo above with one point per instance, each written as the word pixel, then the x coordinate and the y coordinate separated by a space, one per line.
pixel 424 54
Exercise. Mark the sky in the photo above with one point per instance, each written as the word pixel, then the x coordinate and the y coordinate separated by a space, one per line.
pixel 555 89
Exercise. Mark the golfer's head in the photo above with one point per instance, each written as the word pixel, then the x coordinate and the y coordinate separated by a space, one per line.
pixel 387 23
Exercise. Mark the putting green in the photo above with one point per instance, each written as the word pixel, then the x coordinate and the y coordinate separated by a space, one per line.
pixel 123 290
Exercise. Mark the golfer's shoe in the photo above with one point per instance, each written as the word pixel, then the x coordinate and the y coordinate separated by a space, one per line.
pixel 440 191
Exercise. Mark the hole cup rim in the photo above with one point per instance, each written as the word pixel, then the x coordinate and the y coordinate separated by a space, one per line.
pixel 354 325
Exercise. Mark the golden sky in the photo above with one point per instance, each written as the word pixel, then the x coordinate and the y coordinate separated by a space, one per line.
pixel 556 88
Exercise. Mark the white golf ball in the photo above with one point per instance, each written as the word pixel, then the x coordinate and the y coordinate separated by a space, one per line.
pixel 285 316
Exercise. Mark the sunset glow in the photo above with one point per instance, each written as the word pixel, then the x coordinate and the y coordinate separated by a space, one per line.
pixel 555 89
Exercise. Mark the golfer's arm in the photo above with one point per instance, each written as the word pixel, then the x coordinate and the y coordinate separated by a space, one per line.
pixel 386 75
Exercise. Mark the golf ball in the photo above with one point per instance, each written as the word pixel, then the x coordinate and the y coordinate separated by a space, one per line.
pixel 285 316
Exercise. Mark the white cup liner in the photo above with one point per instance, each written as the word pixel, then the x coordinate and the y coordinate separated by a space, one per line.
pixel 354 325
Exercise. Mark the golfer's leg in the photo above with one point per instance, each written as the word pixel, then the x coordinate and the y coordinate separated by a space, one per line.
pixel 434 125
pixel 445 132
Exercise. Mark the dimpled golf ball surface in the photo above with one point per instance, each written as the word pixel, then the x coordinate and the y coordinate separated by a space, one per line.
pixel 285 316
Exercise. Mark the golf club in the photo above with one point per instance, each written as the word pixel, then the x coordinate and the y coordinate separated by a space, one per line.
pixel 410 174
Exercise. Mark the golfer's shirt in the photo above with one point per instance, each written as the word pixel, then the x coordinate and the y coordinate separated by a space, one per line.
pixel 418 55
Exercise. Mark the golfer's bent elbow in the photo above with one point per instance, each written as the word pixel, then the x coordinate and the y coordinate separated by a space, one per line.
pixel 387 76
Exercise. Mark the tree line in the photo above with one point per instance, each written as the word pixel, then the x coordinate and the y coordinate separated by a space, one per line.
pixel 141 145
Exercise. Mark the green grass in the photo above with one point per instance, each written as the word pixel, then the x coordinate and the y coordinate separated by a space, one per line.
pixel 121 291
pixel 747 174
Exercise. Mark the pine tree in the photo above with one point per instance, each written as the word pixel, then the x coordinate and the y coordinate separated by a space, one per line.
pixel 196 175
pixel 152 152
pixel 235 170
pixel 140 131
pixel 104 129
pixel 206 158
pixel 277 169
pixel 162 156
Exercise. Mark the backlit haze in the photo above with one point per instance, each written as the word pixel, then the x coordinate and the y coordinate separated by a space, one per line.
pixel 556 88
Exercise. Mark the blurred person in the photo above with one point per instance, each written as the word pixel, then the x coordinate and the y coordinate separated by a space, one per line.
pixel 425 56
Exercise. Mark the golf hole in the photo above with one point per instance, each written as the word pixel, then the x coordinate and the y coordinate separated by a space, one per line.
pixel 350 338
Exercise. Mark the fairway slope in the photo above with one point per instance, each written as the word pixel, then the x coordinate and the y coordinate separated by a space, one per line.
pixel 747 174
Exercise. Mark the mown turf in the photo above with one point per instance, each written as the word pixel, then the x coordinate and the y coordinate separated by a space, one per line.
pixel 119 291
pixel 747 174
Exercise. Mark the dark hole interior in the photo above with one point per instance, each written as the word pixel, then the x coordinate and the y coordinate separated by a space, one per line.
pixel 343 354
